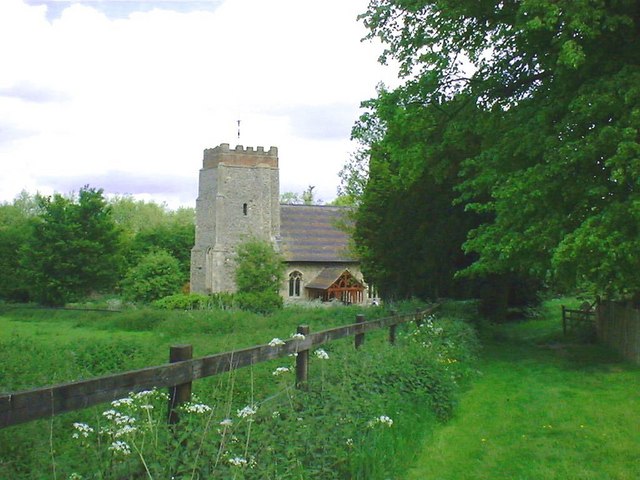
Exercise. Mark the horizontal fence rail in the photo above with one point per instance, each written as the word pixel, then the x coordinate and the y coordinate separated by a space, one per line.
pixel 24 406
pixel 571 318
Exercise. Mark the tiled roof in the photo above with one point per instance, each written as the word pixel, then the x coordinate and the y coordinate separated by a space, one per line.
pixel 310 233
pixel 326 278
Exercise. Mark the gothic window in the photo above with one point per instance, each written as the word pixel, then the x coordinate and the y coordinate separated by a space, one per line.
pixel 295 280
pixel 244 209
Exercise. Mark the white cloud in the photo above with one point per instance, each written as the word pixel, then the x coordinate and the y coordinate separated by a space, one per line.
pixel 84 95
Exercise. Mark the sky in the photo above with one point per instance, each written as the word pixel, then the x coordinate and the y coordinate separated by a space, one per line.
pixel 125 95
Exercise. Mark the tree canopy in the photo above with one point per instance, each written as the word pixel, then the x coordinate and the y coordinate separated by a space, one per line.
pixel 526 115
pixel 74 248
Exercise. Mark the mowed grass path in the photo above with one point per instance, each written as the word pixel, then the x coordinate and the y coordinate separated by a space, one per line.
pixel 543 408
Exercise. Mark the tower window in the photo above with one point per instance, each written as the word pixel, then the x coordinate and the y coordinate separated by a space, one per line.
pixel 244 209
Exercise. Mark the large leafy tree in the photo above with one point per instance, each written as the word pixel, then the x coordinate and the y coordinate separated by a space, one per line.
pixel 407 230
pixel 74 249
pixel 551 91
pixel 15 231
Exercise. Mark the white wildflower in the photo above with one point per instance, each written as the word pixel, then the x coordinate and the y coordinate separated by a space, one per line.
pixel 74 476
pixel 143 394
pixel 120 447
pixel 247 411
pixel 122 401
pixel 127 429
pixel 82 430
pixel 197 408
pixel 275 414
pixel 280 371
pixel 227 422
pixel 349 442
pixel 383 419
pixel 146 407
pixel 276 342
pixel 120 419
pixel 110 414
pixel 238 461
pixel 321 354
pixel 298 336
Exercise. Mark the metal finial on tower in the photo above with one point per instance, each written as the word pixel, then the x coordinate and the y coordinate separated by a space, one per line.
pixel 238 129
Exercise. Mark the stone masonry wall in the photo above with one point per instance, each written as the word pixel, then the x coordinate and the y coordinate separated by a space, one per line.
pixel 238 198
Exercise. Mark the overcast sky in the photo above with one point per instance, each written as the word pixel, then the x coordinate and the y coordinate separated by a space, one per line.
pixel 125 95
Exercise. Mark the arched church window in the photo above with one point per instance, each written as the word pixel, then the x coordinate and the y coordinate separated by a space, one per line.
pixel 244 208
pixel 295 281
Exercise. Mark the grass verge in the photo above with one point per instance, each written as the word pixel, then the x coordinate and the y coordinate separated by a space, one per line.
pixel 544 407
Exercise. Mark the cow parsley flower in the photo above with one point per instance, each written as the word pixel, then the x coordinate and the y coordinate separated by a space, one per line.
pixel 383 419
pixel 227 422
pixel 238 461
pixel 247 411
pixel 122 401
pixel 83 430
pixel 110 414
pixel 321 354
pixel 127 429
pixel 280 371
pixel 276 342
pixel 197 408
pixel 298 336
pixel 120 447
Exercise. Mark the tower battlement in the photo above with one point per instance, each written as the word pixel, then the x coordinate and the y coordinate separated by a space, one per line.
pixel 240 156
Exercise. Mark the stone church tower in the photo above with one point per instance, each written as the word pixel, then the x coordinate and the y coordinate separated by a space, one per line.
pixel 238 198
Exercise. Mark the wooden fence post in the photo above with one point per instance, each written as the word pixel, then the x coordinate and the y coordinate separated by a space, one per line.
pixel 392 328
pixel 359 338
pixel 302 361
pixel 564 321
pixel 179 394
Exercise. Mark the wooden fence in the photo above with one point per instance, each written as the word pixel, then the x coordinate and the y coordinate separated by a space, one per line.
pixel 618 326
pixel 574 319
pixel 28 405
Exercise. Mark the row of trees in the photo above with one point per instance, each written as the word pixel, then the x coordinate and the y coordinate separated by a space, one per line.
pixel 511 152
pixel 59 249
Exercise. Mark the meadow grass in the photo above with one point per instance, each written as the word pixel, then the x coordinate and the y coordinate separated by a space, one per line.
pixel 545 407
pixel 357 419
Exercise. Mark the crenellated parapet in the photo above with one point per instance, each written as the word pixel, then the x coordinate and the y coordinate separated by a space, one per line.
pixel 240 156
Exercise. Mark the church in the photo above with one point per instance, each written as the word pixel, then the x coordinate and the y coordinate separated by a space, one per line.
pixel 238 199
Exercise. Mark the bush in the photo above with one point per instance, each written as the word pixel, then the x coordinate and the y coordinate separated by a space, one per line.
pixel 259 274
pixel 196 301
pixel 259 302
pixel 155 276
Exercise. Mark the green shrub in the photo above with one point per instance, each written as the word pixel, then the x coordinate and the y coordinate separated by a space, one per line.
pixel 183 301
pixel 155 276
pixel 259 302
pixel 196 301
pixel 259 274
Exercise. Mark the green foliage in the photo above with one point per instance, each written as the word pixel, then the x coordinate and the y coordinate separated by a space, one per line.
pixel 195 301
pixel 359 417
pixel 155 276
pixel 74 249
pixel 16 228
pixel 259 274
pixel 149 226
pixel 545 110
pixel 260 302
pixel 305 198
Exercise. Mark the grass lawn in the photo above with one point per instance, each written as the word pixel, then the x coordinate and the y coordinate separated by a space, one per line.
pixel 543 408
